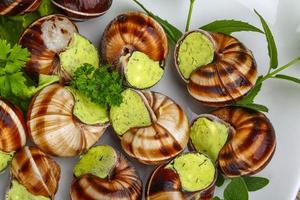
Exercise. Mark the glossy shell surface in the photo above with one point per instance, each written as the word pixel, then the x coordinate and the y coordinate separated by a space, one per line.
pixel 18 7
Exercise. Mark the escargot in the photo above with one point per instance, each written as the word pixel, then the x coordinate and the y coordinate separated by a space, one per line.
pixel 241 141
pixel 103 173
pixel 18 7
pixel 188 176
pixel 81 9
pixel 56 48
pixel 62 122
pixel 137 46
pixel 12 132
pixel 34 174
pixel 218 69
pixel 152 127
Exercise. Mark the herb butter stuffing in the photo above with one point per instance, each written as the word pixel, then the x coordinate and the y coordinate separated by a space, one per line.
pixel 142 72
pixel 78 52
pixel 87 111
pixel 19 192
pixel 131 113
pixel 5 158
pixel 195 51
pixel 98 161
pixel 208 137
pixel 195 170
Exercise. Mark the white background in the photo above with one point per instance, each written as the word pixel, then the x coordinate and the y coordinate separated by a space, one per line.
pixel 281 97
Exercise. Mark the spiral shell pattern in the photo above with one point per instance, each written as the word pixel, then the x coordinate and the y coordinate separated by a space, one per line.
pixel 123 184
pixel 250 147
pixel 165 138
pixel 83 9
pixel 18 7
pixel 53 127
pixel 133 32
pixel 12 128
pixel 45 38
pixel 37 172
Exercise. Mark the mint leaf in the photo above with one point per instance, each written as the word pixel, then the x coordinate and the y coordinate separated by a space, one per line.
pixel 236 190
pixel 216 198
pixel 220 180
pixel 255 183
pixel 252 106
pixel 273 54
pixel 229 26
pixel 174 34
pixel 288 78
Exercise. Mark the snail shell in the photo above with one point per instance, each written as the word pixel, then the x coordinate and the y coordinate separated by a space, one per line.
pixel 53 127
pixel 123 183
pixel 165 138
pixel 37 172
pixel 18 7
pixel 251 142
pixel 228 78
pixel 45 39
pixel 12 128
pixel 82 9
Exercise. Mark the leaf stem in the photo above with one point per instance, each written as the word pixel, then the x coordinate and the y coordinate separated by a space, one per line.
pixel 187 27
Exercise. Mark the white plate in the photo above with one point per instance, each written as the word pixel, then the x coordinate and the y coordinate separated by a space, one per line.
pixel 281 97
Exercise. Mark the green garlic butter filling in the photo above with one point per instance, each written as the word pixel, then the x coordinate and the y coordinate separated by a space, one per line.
pixel 5 159
pixel 208 136
pixel 87 111
pixel 131 113
pixel 142 72
pixel 98 161
pixel 19 192
pixel 195 170
pixel 78 52
pixel 195 51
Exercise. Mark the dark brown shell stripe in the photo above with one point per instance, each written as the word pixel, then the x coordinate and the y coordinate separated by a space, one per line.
pixel 250 147
pixel 37 172
pixel 228 78
pixel 165 138
pixel 54 129
pixel 37 39
pixel 133 32
pixel 83 9
pixel 18 7
pixel 124 183
pixel 12 128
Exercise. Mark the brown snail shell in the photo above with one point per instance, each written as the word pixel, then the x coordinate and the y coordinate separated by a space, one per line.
pixel 12 128
pixel 251 142
pixel 45 39
pixel 165 184
pixel 228 78
pixel 129 32
pixel 123 183
pixel 54 129
pixel 165 138
pixel 36 171
pixel 82 9
pixel 18 7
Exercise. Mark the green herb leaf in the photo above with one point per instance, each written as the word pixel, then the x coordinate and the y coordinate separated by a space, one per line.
pixel 252 106
pixel 249 98
pixel 100 85
pixel 273 54
pixel 173 33
pixel 289 78
pixel 230 26
pixel 216 198
pixel 236 190
pixel 220 180
pixel 255 183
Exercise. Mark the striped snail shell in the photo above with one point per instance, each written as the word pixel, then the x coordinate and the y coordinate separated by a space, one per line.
pixel 123 183
pixel 12 128
pixel 250 145
pixel 82 9
pixel 18 7
pixel 133 32
pixel 45 39
pixel 165 138
pixel 53 127
pixel 36 171
pixel 227 78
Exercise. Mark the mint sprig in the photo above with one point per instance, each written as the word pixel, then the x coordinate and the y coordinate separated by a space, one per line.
pixel 255 183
